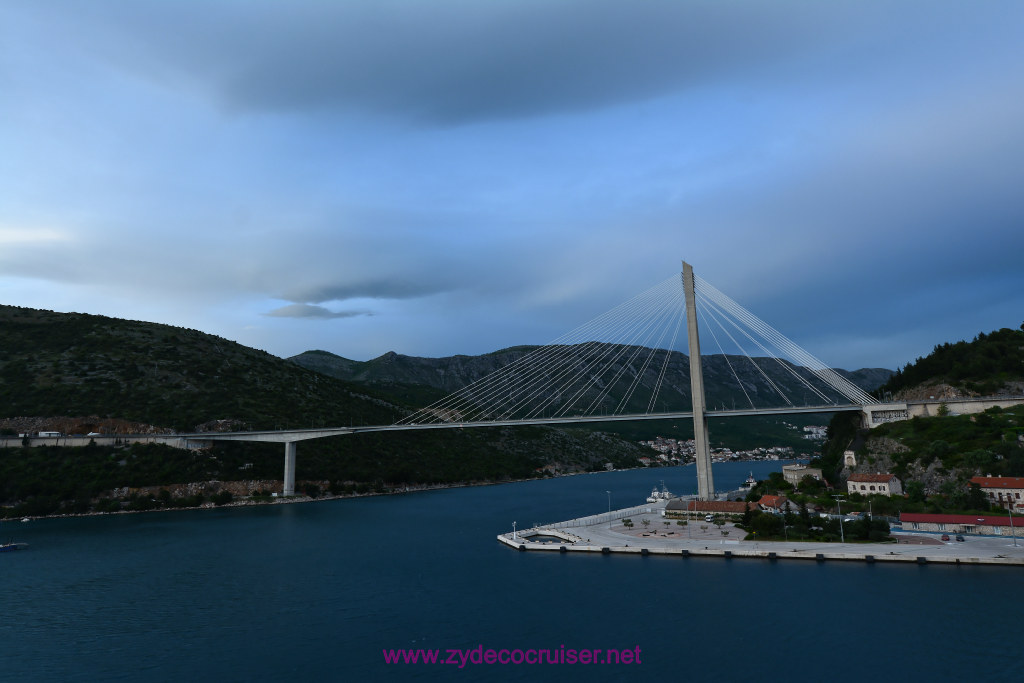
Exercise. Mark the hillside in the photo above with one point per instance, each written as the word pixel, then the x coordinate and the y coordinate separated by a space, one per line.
pixel 989 364
pixel 76 372
pixel 421 381
pixel 394 371
pixel 935 457
pixel 72 364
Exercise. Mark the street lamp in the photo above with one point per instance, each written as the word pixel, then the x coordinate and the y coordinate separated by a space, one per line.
pixel 514 530
pixel 1012 532
pixel 842 534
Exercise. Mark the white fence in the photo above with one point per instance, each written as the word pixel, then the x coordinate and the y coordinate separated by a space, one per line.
pixel 649 509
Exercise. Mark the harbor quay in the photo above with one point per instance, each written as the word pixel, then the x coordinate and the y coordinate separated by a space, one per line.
pixel 607 533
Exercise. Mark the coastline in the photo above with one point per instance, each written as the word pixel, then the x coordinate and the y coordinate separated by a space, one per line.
pixel 413 488
pixel 278 500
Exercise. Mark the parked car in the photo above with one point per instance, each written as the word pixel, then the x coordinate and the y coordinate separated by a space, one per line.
pixel 959 537
pixel 945 537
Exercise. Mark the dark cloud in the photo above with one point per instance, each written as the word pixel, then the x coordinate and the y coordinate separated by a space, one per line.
pixel 308 311
pixel 457 61
pixel 367 289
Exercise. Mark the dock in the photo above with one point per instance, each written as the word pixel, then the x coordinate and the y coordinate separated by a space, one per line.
pixel 606 534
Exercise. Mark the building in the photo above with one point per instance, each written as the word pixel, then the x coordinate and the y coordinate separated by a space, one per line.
pixel 1002 491
pixel 874 485
pixel 794 474
pixel 680 508
pixel 774 504
pixel 989 525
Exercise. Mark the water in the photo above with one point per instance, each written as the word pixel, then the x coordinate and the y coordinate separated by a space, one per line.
pixel 318 591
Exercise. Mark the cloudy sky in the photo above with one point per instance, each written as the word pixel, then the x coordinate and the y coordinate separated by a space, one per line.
pixel 459 176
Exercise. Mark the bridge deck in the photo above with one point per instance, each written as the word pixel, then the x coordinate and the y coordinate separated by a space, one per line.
pixel 304 434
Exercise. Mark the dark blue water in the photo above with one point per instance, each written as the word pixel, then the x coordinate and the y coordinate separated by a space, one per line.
pixel 319 590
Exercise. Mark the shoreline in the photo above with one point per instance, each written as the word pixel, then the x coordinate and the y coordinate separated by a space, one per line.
pixel 417 488
pixel 329 496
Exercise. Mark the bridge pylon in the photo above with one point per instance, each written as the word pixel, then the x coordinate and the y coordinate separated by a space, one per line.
pixel 705 480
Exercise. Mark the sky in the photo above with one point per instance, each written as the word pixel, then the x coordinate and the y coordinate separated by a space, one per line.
pixel 460 176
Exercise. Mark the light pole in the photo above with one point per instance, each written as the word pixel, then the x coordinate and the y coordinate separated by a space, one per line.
pixel 1012 532
pixel 842 534
pixel 514 530
pixel 609 509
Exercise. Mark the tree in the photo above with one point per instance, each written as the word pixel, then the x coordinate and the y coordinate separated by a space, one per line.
pixel 976 498
pixel 915 492
pixel 747 516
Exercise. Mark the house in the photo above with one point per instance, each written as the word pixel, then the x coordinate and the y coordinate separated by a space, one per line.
pixel 990 525
pixel 794 474
pixel 874 484
pixel 774 504
pixel 1002 491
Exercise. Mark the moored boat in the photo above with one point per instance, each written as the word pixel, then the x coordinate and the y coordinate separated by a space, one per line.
pixel 10 547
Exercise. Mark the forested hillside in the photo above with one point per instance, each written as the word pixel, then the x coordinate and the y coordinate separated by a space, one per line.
pixel 58 368
pixel 935 457
pixel 988 364
pixel 74 364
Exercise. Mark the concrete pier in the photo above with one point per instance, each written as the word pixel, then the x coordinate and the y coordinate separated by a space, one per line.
pixel 602 536
pixel 289 468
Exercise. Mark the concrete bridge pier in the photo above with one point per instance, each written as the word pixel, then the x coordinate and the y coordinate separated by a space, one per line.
pixel 289 468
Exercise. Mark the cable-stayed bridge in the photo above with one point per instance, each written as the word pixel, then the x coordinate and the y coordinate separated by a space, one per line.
pixel 629 364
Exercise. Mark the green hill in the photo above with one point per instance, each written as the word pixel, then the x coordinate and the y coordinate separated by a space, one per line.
pixel 77 368
pixel 170 377
pixel 935 457
pixel 988 364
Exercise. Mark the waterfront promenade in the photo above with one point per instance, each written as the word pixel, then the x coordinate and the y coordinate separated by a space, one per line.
pixel 606 534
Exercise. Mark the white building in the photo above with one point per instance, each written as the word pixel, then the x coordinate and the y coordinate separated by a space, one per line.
pixel 1002 491
pixel 874 485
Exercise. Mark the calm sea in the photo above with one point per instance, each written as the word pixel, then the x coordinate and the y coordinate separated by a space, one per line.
pixel 319 590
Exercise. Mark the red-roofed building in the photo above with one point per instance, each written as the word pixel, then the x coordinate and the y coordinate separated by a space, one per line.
pixel 1002 491
pixel 991 525
pixel 773 503
pixel 677 507
pixel 874 485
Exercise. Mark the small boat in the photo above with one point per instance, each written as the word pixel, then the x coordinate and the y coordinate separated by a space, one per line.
pixel 11 547
pixel 25 519
pixel 656 495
